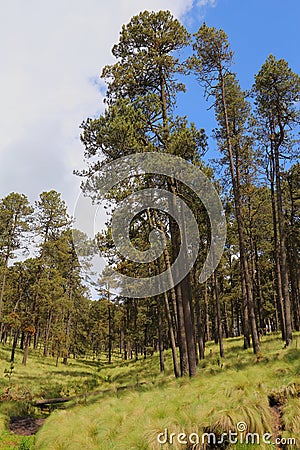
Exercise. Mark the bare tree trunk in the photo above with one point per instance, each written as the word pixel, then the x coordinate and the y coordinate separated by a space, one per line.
pixel 3 288
pixel 109 335
pixel 218 311
pixel 160 338
pixel 282 250
pixel 207 336
pixel 14 345
pixel 182 340
pixel 279 296
pixel 67 349
pixel 185 286
pixel 172 335
pixel 26 351
pixel 200 331
pixel 245 316
pixel 228 333
pixel 258 284
pixel 47 333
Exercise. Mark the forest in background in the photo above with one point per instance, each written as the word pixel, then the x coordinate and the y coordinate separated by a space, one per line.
pixel 44 303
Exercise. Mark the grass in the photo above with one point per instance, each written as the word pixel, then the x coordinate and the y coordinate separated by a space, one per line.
pixel 42 379
pixel 224 393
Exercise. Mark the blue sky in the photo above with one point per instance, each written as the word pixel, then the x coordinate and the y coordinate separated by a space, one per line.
pixel 255 28
pixel 51 53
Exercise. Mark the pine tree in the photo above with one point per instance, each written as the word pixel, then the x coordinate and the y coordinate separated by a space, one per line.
pixel 15 217
pixel 142 88
pixel 276 92
pixel 211 62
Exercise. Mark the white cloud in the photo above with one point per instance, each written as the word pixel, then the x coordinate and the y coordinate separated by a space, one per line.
pixel 211 3
pixel 50 52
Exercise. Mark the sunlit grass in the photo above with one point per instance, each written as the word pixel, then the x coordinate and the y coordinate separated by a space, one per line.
pixel 132 402
pixel 223 394
pixel 43 379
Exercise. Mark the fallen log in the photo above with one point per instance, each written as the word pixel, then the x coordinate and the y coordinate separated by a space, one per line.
pixel 50 401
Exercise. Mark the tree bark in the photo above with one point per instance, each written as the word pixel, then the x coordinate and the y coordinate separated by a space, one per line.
pixel 278 283
pixel 160 338
pixel 172 335
pixel 218 313
pixel 26 350
pixel 282 250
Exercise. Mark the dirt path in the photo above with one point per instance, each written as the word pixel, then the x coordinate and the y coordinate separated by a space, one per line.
pixel 277 423
pixel 25 426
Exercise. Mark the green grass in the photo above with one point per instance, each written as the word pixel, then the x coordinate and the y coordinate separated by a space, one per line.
pixel 10 441
pixel 42 379
pixel 223 393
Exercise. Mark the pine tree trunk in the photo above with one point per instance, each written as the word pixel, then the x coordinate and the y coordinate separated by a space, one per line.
pixel 258 284
pixel 68 329
pixel 109 336
pixel 22 340
pixel 182 341
pixel 185 286
pixel 282 251
pixel 245 315
pixel 218 313
pixel 26 351
pixel 207 335
pixel 200 333
pixel 160 339
pixel 47 333
pixel 182 344
pixel 2 289
pixel 14 345
pixel 228 333
pixel 172 335
pixel 280 303
pixel 125 350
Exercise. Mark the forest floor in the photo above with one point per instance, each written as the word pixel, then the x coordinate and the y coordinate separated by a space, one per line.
pixel 127 405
